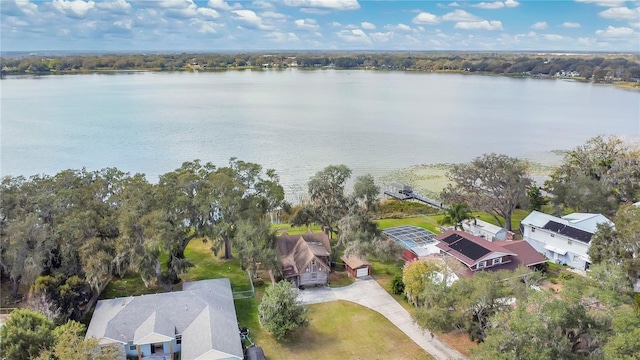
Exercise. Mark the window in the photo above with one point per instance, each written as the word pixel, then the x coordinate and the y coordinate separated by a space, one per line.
pixel 569 242
pixel 132 347
pixel 179 339
pixel 314 276
pixel 533 229
pixel 553 235
pixel 313 261
pixel 497 261
pixel 482 264
pixel 576 258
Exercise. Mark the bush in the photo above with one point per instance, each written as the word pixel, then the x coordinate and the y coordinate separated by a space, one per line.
pixel 280 312
pixel 397 286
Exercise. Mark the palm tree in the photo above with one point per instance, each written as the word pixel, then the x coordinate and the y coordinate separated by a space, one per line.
pixel 455 214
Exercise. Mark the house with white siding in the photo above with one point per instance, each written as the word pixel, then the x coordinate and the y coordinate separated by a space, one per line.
pixel 564 240
pixel 197 323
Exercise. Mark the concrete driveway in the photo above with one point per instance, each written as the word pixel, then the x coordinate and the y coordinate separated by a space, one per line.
pixel 367 292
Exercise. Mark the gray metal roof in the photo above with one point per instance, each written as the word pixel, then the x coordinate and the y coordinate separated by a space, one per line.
pixel 203 313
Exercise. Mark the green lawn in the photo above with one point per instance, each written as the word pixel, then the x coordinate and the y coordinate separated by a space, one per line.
pixel 206 266
pixel 432 222
pixel 337 330
pixel 423 221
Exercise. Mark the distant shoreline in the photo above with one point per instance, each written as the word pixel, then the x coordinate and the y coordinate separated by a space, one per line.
pixel 620 69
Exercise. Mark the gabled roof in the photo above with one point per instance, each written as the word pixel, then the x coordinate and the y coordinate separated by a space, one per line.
pixel 299 250
pixel 203 313
pixel 354 262
pixel 469 249
pixel 155 329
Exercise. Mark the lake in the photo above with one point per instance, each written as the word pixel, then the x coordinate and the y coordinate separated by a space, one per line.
pixel 296 121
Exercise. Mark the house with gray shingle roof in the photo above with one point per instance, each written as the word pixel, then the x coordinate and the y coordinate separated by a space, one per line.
pixel 198 322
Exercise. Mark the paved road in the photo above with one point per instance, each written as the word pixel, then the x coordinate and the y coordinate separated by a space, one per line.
pixel 367 292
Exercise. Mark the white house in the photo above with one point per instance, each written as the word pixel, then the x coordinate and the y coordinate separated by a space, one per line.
pixel 564 240
pixel 484 230
pixel 198 322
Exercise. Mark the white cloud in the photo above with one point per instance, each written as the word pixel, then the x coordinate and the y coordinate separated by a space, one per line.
pixel 399 27
pixel 540 25
pixel 207 27
pixel 281 37
pixel 511 3
pixel 116 6
pixel 251 19
pixel 607 3
pixel 208 12
pixel 273 15
pixel 123 24
pixel 425 18
pixel 14 21
pixel 479 25
pixel 27 7
pixel 307 24
pixel 335 24
pixel 489 5
pixel 367 25
pixel 460 15
pixel 262 4
pixel 325 4
pixel 315 11
pixel 382 37
pixel 354 36
pixel 616 32
pixel 223 5
pixel 454 4
pixel 621 13
pixel 174 4
pixel 571 25
pixel 494 5
pixel 76 8
pixel 553 37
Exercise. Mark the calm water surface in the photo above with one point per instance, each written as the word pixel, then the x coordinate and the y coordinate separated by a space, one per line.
pixel 296 122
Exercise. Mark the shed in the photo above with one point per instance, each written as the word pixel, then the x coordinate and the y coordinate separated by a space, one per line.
pixel 356 267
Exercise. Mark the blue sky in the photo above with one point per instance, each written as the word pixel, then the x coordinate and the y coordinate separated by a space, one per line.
pixel 218 25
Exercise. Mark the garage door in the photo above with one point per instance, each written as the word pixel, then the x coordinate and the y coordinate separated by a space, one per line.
pixel 362 272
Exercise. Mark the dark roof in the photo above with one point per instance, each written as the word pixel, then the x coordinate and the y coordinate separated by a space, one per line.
pixel 451 238
pixel 468 248
pixel 569 231
pixel 527 255
pixel 255 353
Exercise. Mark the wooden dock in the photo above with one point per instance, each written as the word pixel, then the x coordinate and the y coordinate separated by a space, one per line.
pixel 404 192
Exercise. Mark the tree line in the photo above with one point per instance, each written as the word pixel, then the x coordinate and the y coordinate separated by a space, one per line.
pixel 595 67
pixel 66 236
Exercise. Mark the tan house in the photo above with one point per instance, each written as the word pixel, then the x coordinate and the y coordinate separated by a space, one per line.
pixel 305 258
